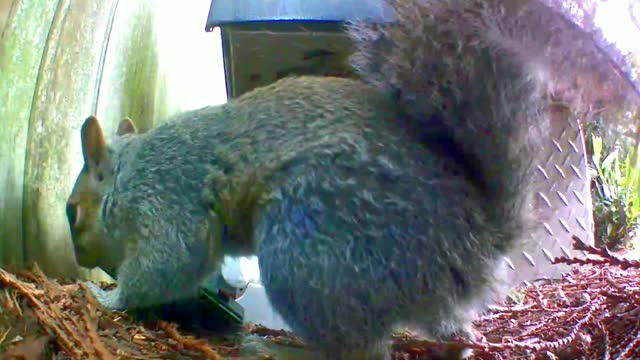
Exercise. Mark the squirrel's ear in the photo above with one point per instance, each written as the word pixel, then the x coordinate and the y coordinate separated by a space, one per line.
pixel 94 146
pixel 126 126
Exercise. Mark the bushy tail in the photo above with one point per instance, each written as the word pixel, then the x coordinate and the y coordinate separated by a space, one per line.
pixel 476 76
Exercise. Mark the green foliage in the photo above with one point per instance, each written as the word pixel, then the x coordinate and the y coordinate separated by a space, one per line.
pixel 616 192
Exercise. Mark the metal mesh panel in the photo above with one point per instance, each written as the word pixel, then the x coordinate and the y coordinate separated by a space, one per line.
pixel 562 201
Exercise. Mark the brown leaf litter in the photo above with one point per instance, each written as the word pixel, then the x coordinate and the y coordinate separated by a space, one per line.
pixel 592 312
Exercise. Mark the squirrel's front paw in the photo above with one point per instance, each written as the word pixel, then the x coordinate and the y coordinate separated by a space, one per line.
pixel 110 299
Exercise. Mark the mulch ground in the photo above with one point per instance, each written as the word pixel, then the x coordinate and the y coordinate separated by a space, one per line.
pixel 592 313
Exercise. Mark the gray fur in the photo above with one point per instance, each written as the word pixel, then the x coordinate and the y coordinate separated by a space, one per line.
pixel 387 204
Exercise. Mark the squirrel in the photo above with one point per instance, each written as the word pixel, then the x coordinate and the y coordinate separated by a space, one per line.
pixel 371 203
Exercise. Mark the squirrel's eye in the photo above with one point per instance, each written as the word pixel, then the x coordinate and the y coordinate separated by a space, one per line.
pixel 72 214
pixel 100 176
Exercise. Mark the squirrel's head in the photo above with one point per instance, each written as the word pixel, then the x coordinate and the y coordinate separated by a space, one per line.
pixel 92 184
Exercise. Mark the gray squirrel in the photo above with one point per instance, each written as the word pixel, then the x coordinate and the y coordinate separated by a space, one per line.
pixel 374 203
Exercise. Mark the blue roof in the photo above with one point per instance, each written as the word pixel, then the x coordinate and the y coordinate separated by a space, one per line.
pixel 224 12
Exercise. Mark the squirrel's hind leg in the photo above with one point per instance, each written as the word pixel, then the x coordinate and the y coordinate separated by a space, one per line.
pixel 344 248
pixel 329 321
